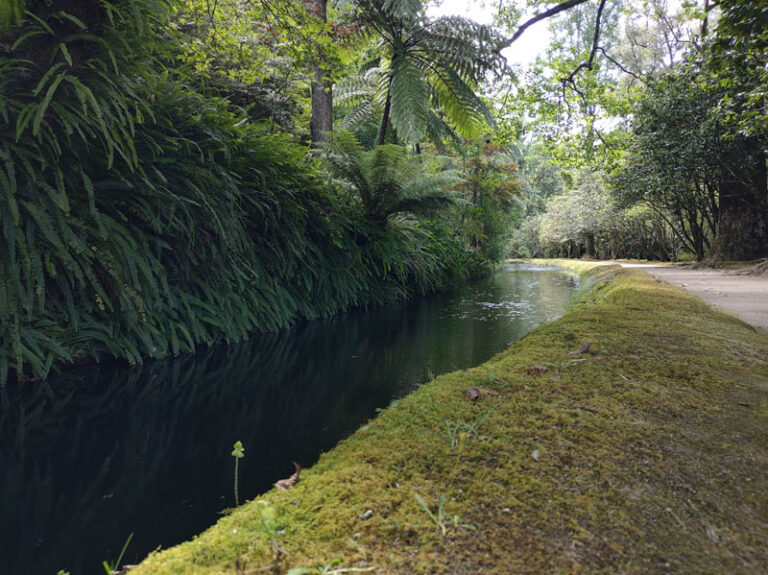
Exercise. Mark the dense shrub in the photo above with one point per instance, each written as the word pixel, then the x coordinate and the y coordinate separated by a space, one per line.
pixel 140 218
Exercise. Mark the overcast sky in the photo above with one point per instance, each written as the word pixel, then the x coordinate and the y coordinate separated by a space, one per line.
pixel 524 51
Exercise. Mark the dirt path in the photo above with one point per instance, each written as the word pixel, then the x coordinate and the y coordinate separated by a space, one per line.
pixel 744 296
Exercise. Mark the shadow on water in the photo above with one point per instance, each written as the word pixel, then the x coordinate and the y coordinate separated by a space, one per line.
pixel 96 454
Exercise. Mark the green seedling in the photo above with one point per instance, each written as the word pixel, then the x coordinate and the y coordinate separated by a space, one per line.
pixel 268 522
pixel 458 431
pixel 441 520
pixel 112 568
pixel 238 452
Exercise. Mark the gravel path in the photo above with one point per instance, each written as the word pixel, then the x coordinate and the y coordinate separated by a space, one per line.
pixel 745 296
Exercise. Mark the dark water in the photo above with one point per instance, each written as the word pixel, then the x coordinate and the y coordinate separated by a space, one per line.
pixel 92 456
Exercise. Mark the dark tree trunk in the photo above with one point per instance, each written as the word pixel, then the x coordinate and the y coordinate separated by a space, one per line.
pixel 743 224
pixel 590 246
pixel 321 120
pixel 385 119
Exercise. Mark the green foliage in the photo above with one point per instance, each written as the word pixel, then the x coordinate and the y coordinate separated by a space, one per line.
pixel 737 56
pixel 11 12
pixel 255 54
pixel 237 450
pixel 388 181
pixel 141 218
pixel 458 431
pixel 490 186
pixel 429 64
pixel 361 100
pixel 672 161
pixel 442 520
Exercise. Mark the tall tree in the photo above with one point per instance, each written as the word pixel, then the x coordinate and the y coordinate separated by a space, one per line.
pixel 429 62
pixel 735 64
pixel 321 121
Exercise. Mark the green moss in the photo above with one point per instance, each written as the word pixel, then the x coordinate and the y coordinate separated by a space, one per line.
pixel 648 454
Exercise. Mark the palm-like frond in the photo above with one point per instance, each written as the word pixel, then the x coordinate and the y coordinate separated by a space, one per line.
pixel 410 99
pixel 389 180
pixel 432 63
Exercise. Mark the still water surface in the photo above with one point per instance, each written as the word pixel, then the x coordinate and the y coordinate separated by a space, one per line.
pixel 94 455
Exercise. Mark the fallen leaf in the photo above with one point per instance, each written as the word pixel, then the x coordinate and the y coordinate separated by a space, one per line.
pixel 582 349
pixel 284 484
pixel 537 369
pixel 475 392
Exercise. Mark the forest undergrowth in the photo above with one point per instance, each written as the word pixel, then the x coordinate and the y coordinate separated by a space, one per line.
pixel 142 217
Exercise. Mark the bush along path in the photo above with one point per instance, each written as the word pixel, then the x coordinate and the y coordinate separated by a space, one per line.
pixel 646 454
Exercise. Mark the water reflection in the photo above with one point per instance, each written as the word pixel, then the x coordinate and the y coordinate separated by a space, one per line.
pixel 97 454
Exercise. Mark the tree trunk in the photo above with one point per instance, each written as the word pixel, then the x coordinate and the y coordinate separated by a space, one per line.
pixel 590 246
pixel 743 224
pixel 385 119
pixel 321 120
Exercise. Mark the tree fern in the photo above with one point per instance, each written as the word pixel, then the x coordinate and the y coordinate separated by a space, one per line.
pixel 450 55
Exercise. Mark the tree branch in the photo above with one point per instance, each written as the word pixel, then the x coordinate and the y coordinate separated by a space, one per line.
pixel 618 65
pixel 595 39
pixel 539 17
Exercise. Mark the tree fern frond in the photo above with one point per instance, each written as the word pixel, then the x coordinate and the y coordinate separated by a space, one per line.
pixel 410 100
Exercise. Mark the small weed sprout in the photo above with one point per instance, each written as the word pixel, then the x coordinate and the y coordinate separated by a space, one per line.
pixel 268 522
pixel 111 568
pixel 458 431
pixel 441 520
pixel 238 452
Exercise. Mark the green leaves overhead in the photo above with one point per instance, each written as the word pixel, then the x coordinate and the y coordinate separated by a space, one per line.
pixel 409 95
pixel 431 64
pixel 401 8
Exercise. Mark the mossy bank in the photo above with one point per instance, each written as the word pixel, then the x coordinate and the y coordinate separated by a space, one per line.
pixel 647 454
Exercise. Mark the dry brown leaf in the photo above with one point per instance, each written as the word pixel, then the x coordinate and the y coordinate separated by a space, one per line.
pixel 476 392
pixel 284 484
pixel 537 369
pixel 582 349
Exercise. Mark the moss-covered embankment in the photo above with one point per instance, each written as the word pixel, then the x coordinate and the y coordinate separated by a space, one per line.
pixel 648 454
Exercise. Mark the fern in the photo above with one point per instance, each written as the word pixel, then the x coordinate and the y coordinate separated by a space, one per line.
pixel 141 219
pixel 427 64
